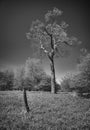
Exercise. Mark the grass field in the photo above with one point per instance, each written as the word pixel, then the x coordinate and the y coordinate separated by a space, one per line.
pixel 47 111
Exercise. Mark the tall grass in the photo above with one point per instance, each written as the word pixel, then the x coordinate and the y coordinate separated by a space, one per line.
pixel 47 111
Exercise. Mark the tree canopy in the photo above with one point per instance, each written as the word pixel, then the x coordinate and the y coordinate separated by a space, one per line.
pixel 51 30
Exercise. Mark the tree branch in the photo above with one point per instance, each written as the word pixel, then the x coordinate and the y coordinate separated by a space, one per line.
pixel 67 43
pixel 43 48
pixel 47 32
pixel 57 43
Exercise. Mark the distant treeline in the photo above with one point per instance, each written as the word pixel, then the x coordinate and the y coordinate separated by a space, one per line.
pixel 30 76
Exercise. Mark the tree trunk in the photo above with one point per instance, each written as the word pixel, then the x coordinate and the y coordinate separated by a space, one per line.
pixel 25 100
pixel 53 82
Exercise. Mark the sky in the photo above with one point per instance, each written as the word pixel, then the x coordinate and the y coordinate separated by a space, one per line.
pixel 15 19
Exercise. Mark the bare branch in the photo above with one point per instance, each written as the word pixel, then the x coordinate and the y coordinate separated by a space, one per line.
pixel 67 43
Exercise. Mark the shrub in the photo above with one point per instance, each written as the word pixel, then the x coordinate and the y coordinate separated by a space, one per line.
pixel 65 84
pixel 6 80
pixel 45 84
pixel 81 81
pixel 29 75
pixel 77 83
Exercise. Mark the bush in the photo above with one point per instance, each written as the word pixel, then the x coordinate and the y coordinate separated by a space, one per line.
pixel 29 75
pixel 81 81
pixel 77 83
pixel 65 84
pixel 45 84
pixel 6 80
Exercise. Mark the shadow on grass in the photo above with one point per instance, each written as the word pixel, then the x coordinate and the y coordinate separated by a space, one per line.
pixel 85 95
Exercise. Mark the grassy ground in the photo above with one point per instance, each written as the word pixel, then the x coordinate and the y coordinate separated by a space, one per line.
pixel 47 111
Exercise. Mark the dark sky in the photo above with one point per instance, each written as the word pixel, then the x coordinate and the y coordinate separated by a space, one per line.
pixel 16 17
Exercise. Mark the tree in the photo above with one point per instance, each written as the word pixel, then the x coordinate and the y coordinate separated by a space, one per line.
pixel 45 84
pixel 19 77
pixel 34 71
pixel 84 68
pixel 10 79
pixel 29 75
pixel 20 84
pixel 84 65
pixel 80 81
pixel 2 81
pixel 52 38
pixel 6 80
